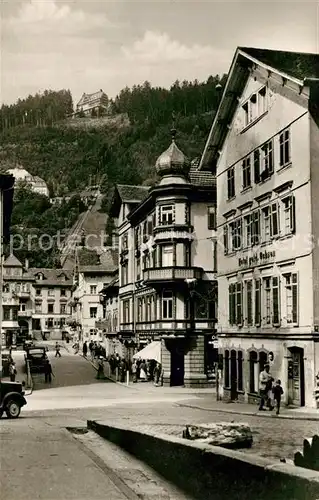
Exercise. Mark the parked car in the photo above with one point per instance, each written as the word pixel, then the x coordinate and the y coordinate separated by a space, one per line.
pixel 37 357
pixel 11 398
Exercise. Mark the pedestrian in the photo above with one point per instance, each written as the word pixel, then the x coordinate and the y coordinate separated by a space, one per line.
pixel 134 371
pixel 85 349
pixel 277 392
pixel 157 373
pixel 91 348
pixel 48 374
pixel 57 350
pixel 265 381
pixel 12 371
pixel 143 373
pixel 100 369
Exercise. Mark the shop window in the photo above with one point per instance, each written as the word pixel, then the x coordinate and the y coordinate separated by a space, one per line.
pixel 240 384
pixel 253 372
pixel 227 368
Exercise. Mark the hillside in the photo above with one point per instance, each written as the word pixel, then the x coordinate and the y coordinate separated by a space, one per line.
pixel 71 153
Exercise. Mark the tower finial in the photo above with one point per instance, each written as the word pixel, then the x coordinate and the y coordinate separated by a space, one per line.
pixel 173 129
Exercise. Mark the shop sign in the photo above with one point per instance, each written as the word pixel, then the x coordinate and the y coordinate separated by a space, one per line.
pixel 256 259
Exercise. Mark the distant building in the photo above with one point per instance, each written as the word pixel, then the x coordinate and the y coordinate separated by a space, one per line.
pixel 93 103
pixel 37 184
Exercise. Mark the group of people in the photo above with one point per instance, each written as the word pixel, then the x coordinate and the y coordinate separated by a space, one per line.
pixel 95 349
pixel 149 370
pixel 270 391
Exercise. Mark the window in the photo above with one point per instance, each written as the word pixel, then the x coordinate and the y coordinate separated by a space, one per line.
pixel 126 311
pixel 93 312
pixel 231 182
pixel 124 243
pixel 166 215
pixel 249 302
pixel 227 368
pixel 38 307
pixel 22 307
pixel 274 220
pixel 266 224
pixel 50 322
pixel 275 301
pixel 63 292
pixel 211 218
pixel 167 256
pixel 167 305
pixel 51 292
pixel 92 289
pixel 148 309
pixel 284 148
pixel 253 372
pixel 267 300
pixel 270 221
pixel 62 309
pixel 38 291
pixel 262 101
pixel 255 106
pixel 140 309
pixel 124 272
pixel 235 304
pixel 289 215
pixel 50 308
pixel 6 313
pixel 240 384
pixel 291 288
pixel 138 268
pixel 257 303
pixel 246 173
pixel 235 228
pixel 214 244
pixel 248 220
pixel 267 160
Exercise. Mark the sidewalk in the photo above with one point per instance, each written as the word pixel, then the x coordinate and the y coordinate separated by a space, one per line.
pixel 310 414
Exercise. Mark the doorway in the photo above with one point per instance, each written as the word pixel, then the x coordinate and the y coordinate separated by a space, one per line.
pixel 177 364
pixel 233 375
pixel 296 377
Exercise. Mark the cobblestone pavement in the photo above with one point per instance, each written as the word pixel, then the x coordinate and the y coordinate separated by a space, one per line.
pixel 273 438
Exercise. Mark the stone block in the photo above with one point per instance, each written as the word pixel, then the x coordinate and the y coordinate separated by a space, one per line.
pixel 224 434
pixel 309 457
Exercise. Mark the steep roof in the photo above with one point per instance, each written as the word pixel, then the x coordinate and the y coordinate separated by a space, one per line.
pixel 296 66
pixel 88 97
pixel 200 177
pixel 132 193
pixel 52 277
pixel 12 261
pixel 299 65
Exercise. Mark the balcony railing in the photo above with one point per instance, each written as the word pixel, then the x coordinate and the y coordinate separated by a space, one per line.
pixel 164 274
pixel 25 314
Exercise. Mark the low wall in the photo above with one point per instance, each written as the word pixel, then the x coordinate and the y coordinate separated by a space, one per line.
pixel 209 472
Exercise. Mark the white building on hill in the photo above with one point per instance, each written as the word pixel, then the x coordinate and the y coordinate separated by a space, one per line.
pixel 37 184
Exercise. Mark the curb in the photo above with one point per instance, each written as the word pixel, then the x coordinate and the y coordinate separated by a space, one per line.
pixel 252 414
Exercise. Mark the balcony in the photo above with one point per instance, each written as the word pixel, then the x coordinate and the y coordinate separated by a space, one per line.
pixel 25 314
pixel 163 275
pixel 22 294
pixel 180 232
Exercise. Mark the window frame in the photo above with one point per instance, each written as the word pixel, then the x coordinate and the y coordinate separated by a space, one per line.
pixel 231 188
pixel 246 172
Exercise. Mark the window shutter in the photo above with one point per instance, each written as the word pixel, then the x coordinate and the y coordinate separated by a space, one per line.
pixel 226 239
pixel 230 304
pixel 275 301
pixel 239 304
pixel 257 303
pixel 293 215
pixel 295 303
pixel 257 166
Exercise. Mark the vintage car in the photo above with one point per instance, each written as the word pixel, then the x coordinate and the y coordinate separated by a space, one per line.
pixel 37 358
pixel 11 398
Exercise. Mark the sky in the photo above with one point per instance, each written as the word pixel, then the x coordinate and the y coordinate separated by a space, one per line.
pixel 87 45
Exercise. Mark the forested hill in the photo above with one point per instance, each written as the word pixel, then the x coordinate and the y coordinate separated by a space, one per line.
pixel 35 133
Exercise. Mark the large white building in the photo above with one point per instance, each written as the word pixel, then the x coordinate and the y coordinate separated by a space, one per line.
pixel 264 148
pixel 35 182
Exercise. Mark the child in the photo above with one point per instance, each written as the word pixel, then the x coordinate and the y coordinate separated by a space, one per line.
pixel 277 391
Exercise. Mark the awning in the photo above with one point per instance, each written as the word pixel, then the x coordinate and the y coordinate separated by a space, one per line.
pixel 151 351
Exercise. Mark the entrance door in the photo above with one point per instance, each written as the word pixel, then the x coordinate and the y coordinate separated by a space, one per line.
pixel 296 389
pixel 233 375
pixel 177 364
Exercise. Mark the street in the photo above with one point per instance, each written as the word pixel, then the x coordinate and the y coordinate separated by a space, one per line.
pixel 40 459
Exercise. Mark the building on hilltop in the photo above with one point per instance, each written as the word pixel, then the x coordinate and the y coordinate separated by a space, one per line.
pixel 263 147
pixel 93 104
pixel 35 182
pixel 167 269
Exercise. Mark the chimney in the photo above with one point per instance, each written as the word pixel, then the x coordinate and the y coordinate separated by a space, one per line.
pixel 26 264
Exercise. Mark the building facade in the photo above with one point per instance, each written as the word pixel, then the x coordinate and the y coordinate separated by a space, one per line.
pixel 108 326
pixel 93 103
pixel 167 269
pixel 264 147
pixel 52 289
pixel 36 183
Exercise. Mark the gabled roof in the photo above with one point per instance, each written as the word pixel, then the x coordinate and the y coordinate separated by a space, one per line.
pixel 12 261
pixel 200 177
pixel 124 193
pixel 299 65
pixel 88 97
pixel 295 66
pixel 51 277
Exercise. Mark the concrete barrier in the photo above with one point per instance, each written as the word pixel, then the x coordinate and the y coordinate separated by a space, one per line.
pixel 208 472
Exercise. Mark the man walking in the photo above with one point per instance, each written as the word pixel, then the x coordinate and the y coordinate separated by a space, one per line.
pixel 48 372
pixel 85 349
pixel 57 350
pixel 265 381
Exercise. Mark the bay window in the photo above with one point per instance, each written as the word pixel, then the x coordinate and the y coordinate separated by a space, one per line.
pixel 167 304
